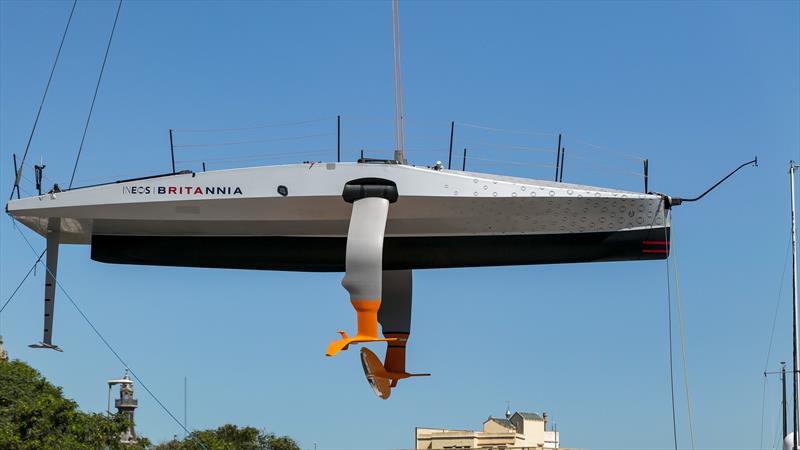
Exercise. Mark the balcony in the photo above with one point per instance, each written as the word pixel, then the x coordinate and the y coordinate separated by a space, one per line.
pixel 126 403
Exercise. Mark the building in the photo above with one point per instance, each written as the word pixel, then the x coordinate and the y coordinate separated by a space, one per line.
pixel 126 404
pixel 521 430
pixel 3 353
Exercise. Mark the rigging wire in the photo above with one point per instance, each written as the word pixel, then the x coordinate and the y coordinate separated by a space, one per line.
pixel 580 142
pixel 394 80
pixel 777 430
pixel 41 104
pixel 256 127
pixel 777 305
pixel 11 297
pixel 94 97
pixel 119 176
pixel 598 168
pixel 496 145
pixel 29 181
pixel 398 82
pixel 256 141
pixel 771 337
pixel 669 323
pixel 515 163
pixel 610 151
pixel 683 344
pixel 107 344
pixel 531 149
pixel 763 412
pixel 418 123
pixel 255 157
pixel 506 130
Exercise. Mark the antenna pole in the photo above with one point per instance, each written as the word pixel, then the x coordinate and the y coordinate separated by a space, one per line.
pixel 185 391
pixel 450 158
pixel 172 150
pixel 794 304
pixel 38 171
pixel 464 161
pixel 338 138
pixel 646 174
pixel 783 402
pixel 18 174
pixel 558 155
pixel 561 176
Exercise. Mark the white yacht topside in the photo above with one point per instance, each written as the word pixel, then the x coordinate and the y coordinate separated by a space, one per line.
pixel 306 200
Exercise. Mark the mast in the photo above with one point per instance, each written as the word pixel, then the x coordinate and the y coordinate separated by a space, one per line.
pixel 784 403
pixel 783 399
pixel 794 306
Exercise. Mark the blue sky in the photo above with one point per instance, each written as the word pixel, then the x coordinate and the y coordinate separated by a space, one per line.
pixel 695 87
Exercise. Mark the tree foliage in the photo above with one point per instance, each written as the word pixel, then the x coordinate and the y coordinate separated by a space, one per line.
pixel 231 437
pixel 35 415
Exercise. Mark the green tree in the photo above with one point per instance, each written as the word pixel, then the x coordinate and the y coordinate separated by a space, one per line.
pixel 34 415
pixel 231 437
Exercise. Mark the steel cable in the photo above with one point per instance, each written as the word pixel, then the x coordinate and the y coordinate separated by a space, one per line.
pixel 41 104
pixel 107 344
pixel 94 97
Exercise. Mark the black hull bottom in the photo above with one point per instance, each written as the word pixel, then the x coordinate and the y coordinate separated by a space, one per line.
pixel 327 254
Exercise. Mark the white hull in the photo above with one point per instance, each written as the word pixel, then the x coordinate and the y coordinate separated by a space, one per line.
pixel 246 202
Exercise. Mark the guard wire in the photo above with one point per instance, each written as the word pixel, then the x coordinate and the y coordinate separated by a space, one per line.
pixel 609 151
pixel 256 141
pixel 514 163
pixel 258 157
pixel 506 130
pixel 255 127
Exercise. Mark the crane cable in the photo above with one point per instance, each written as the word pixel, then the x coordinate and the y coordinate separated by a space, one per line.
pixel 18 175
pixel 94 97
pixel 399 128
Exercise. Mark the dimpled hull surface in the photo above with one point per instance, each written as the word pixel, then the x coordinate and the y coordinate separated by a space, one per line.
pixel 293 217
